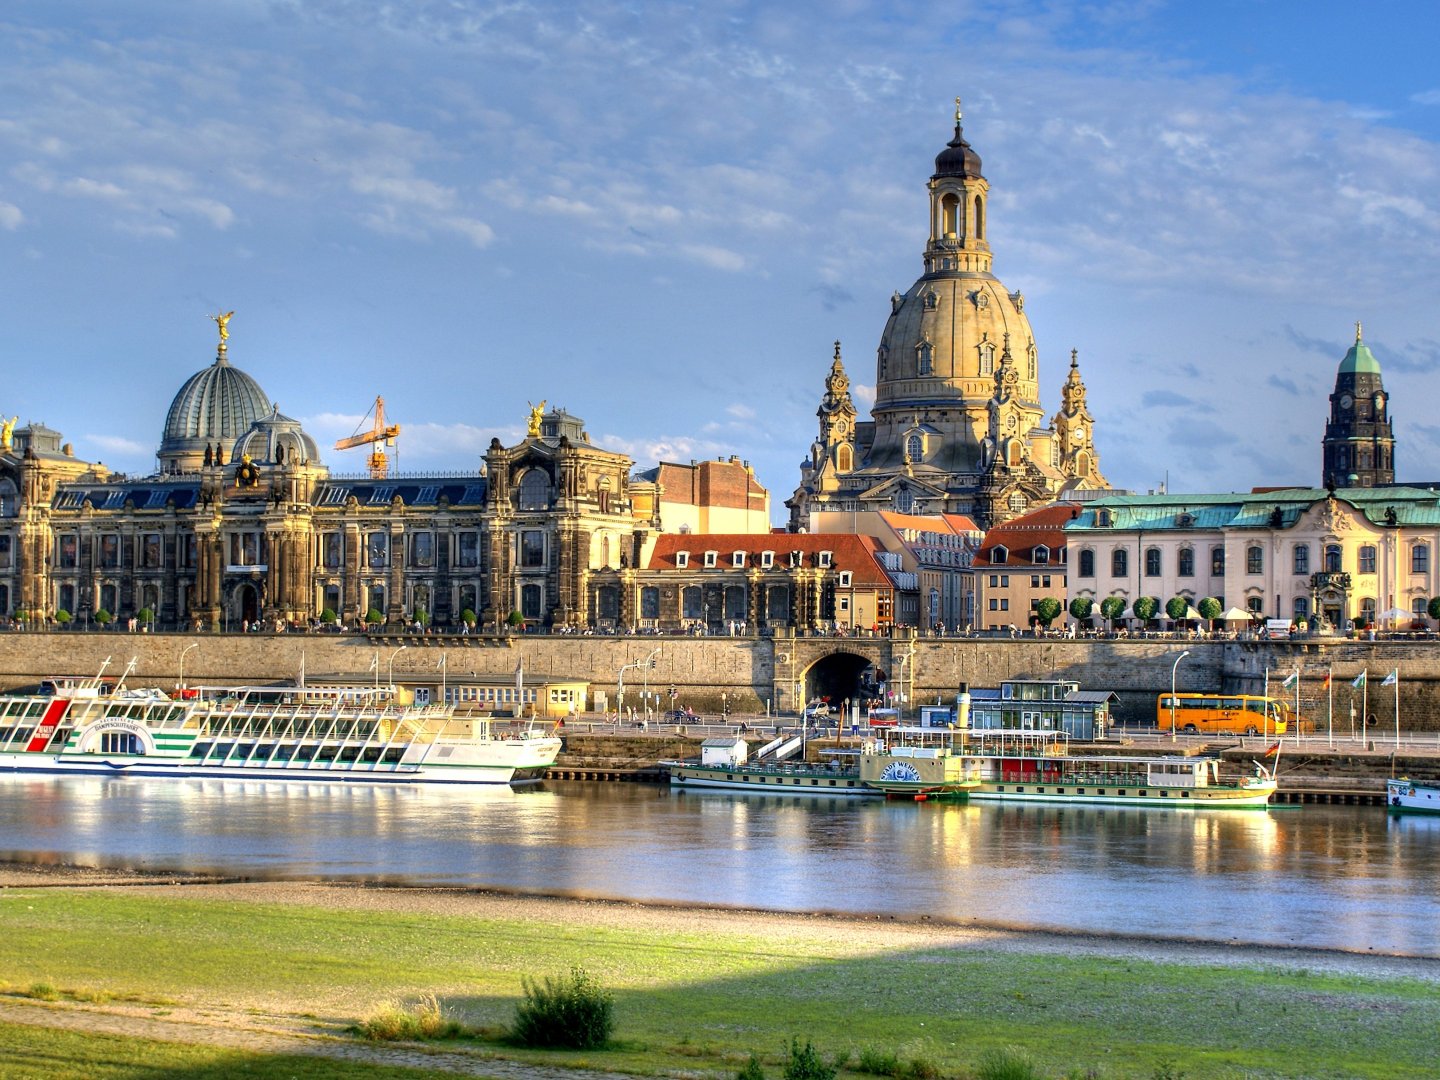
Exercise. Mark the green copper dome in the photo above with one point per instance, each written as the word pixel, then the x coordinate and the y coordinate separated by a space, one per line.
pixel 1359 360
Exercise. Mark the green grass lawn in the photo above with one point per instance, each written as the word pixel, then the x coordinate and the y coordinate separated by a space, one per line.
pixel 701 1004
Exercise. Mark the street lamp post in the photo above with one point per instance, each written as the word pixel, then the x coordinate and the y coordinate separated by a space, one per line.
pixel 390 667
pixel 1173 668
pixel 193 645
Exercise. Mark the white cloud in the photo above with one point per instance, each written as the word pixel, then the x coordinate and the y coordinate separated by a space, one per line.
pixel 717 258
pixel 11 217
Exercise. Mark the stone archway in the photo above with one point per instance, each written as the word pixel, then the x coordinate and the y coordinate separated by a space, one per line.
pixel 836 677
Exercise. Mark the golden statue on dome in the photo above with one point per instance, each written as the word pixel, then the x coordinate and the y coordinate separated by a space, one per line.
pixel 222 320
pixel 532 426
pixel 7 434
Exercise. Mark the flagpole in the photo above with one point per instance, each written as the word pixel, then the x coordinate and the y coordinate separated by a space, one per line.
pixel 1297 706
pixel 1265 724
pixel 1330 694
pixel 1395 681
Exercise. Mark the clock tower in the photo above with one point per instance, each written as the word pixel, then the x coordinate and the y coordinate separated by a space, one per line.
pixel 1359 444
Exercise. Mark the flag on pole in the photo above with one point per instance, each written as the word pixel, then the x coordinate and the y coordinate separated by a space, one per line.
pixel 1391 679
pixel 1325 685
pixel 1359 683
pixel 1273 750
pixel 441 662
pixel 1291 681
pixel 374 663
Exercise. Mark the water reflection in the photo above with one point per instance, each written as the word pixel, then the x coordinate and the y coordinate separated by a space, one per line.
pixel 1331 876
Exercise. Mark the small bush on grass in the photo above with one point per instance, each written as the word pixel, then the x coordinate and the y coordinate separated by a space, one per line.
pixel 575 1013
pixel 43 992
pixel 1009 1063
pixel 420 1022
pixel 805 1063
pixel 751 1070
pixel 885 1063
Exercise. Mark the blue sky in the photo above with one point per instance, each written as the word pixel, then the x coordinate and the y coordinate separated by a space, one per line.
pixel 660 216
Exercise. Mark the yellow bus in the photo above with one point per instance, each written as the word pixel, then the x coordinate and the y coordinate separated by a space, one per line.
pixel 1224 714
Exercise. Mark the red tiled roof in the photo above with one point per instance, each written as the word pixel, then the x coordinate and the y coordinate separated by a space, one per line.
pixel 847 551
pixel 1021 536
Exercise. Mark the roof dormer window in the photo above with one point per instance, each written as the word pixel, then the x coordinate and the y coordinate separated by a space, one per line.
pixel 825 559
pixel 737 559
pixel 767 560
pixel 846 579
pixel 682 560
pixel 711 557
pixel 999 554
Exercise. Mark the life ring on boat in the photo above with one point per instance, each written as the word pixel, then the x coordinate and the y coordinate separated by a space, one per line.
pixel 1395 801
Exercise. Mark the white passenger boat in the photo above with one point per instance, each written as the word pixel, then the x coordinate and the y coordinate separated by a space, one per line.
pixel 1409 795
pixel 353 734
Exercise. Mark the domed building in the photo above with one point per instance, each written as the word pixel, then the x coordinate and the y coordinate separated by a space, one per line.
pixel 214 408
pixel 957 425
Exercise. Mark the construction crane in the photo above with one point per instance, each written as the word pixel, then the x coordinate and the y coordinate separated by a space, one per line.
pixel 377 438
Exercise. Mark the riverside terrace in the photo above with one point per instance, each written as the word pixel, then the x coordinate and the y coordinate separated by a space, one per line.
pixel 756 676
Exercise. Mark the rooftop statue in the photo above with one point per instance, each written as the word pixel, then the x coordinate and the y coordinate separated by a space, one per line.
pixel 532 427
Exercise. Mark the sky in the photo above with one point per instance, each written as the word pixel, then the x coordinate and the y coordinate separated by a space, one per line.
pixel 661 216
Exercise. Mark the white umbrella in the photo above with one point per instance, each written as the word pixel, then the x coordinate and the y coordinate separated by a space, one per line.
pixel 1191 613
pixel 1395 614
pixel 1236 614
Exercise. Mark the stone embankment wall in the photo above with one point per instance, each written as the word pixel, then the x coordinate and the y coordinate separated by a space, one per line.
pixel 753 673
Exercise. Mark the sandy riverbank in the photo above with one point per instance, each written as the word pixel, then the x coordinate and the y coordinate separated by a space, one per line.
pixel 836 933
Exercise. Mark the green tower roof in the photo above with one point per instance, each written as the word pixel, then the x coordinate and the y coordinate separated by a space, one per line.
pixel 1359 360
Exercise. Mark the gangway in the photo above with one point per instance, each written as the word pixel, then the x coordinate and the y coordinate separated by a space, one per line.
pixel 789 749
pixel 770 747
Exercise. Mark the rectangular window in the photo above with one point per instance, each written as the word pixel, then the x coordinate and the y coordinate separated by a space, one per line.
pixel 825 558
pixel 1255 560
pixel 109 551
pixel 532 548
pixel 6 546
pixel 69 552
pixel 1152 562
pixel 994 604
pixel 710 559
pixel 1217 562
pixel 1302 558
pixel 1004 604
pixel 467 550
pixel 330 549
pixel 1420 559
pixel 1367 559
pixel 767 560
pixel 377 549
pixel 1035 581
pixel 150 551
pixel 682 560
pixel 737 559
pixel 422 550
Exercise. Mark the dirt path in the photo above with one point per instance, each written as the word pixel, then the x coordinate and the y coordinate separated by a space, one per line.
pixel 254 1034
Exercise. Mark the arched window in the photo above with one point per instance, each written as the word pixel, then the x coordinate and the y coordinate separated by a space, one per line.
pixel 649 602
pixel 1087 563
pixel 904 500
pixel 1367 609
pixel 534 490
pixel 1119 562
pixel 1255 604
pixel 1042 554
pixel 1420 559
pixel 844 458
pixel 924 358
pixel 1302 558
pixel 949 212
pixel 1031 362
pixel 1217 562
pixel 987 359
pixel 1152 562
pixel 1302 609
pixel 979 218
pixel 999 555
pixel 1333 558
pixel 883 357
pixel 691 603
pixel 914 447
pixel 1185 563
pixel 1014 453
pixel 1254 559
pixel 934 603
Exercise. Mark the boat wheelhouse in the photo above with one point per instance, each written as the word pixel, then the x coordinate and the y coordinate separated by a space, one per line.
pixel 725 764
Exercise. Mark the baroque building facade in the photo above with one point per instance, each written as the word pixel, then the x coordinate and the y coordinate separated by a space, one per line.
pixel 957 425
pixel 243 523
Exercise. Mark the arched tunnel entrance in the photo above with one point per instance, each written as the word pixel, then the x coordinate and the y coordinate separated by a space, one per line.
pixel 841 677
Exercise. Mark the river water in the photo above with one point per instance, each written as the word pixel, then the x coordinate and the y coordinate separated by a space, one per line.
pixel 1331 877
